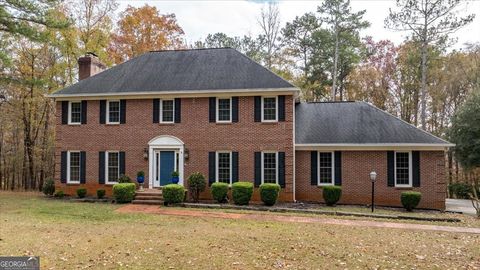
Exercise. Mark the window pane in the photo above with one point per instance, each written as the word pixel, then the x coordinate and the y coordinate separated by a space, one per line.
pixel 224 167
pixel 325 168
pixel 114 111
pixel 75 112
pixel 113 169
pixel 224 109
pixel 167 111
pixel 269 108
pixel 269 168
pixel 74 167
pixel 402 168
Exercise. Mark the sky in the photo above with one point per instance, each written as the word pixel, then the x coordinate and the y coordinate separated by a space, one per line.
pixel 239 17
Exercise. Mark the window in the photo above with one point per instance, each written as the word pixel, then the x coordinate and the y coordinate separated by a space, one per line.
pixel 113 112
pixel 113 167
pixel 167 109
pixel 325 168
pixel 269 167
pixel 269 109
pixel 224 167
pixel 75 115
pixel 73 167
pixel 224 109
pixel 403 170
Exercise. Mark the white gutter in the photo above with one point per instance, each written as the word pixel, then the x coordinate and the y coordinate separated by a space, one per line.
pixel 373 146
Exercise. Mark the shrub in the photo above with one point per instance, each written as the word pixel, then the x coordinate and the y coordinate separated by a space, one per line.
pixel 124 179
pixel 196 184
pixel 269 193
pixel 332 194
pixel 48 187
pixel 219 192
pixel 140 174
pixel 173 193
pixel 242 192
pixel 81 192
pixel 100 193
pixel 460 190
pixel 175 174
pixel 124 192
pixel 410 199
pixel 59 194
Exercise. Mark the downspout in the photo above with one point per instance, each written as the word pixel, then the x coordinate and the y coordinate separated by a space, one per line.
pixel 294 163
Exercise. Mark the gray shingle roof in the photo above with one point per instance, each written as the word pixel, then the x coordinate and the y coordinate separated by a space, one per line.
pixel 354 123
pixel 180 70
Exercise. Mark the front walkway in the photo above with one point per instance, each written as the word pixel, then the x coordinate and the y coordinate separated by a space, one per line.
pixel 131 208
pixel 458 205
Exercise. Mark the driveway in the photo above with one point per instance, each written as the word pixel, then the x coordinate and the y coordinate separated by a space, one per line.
pixel 458 205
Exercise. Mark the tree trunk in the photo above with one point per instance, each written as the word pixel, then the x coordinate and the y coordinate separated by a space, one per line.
pixel 335 63
pixel 423 98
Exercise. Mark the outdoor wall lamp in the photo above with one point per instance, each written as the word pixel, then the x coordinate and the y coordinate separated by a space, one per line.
pixel 186 154
pixel 373 177
pixel 145 153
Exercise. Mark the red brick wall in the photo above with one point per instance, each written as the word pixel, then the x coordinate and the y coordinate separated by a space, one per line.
pixel 356 184
pixel 195 131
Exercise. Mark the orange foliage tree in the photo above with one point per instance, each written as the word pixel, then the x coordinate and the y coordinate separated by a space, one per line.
pixel 144 29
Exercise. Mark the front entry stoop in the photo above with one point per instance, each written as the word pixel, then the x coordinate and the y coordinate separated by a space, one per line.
pixel 149 197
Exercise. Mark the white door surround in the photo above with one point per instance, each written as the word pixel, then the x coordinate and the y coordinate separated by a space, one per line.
pixel 164 142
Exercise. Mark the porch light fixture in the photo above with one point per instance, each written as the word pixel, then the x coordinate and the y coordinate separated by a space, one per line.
pixel 145 153
pixel 186 154
pixel 373 177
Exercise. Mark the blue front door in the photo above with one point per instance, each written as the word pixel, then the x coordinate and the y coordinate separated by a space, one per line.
pixel 166 167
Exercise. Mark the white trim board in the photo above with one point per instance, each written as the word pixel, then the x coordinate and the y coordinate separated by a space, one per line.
pixel 379 146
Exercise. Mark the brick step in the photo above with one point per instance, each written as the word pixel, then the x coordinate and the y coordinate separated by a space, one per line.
pixel 149 197
pixel 149 193
pixel 148 202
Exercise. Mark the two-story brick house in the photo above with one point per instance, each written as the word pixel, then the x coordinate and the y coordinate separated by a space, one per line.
pixel 217 112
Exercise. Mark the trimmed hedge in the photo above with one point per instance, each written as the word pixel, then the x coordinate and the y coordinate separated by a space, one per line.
pixel 332 194
pixel 59 194
pixel 196 185
pixel 269 193
pixel 124 179
pixel 460 190
pixel 81 192
pixel 242 192
pixel 410 199
pixel 124 192
pixel 219 192
pixel 173 193
pixel 48 187
pixel 100 193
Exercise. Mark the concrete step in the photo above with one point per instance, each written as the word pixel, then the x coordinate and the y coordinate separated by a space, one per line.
pixel 148 202
pixel 149 197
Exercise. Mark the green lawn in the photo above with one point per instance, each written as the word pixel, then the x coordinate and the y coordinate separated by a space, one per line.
pixel 70 235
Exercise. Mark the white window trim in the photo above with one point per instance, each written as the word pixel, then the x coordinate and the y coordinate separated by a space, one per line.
pixel 69 181
pixel 410 182
pixel 276 109
pixel 333 169
pixel 161 111
pixel 217 111
pixel 70 113
pixel 108 112
pixel 217 167
pixel 106 167
pixel 276 165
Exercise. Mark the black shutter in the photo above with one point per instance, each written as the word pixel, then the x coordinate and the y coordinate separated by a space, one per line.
pixel 416 168
pixel 64 112
pixel 103 111
pixel 123 111
pixel 314 168
pixel 234 167
pixel 281 108
pixel 156 110
pixel 101 168
pixel 281 169
pixel 391 168
pixel 212 110
pixel 258 109
pixel 211 168
pixel 63 167
pixel 234 109
pixel 84 111
pixel 83 166
pixel 258 168
pixel 338 168
pixel 121 159
pixel 178 110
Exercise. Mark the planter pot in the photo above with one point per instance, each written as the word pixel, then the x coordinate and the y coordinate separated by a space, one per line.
pixel 175 179
pixel 140 179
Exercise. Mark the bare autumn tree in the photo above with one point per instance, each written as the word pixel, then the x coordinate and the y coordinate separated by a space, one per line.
pixel 269 22
pixel 430 22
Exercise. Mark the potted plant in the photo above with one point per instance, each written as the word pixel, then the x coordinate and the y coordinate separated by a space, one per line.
pixel 140 179
pixel 175 177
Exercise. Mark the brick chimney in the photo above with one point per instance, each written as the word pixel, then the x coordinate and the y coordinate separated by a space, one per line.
pixel 89 65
